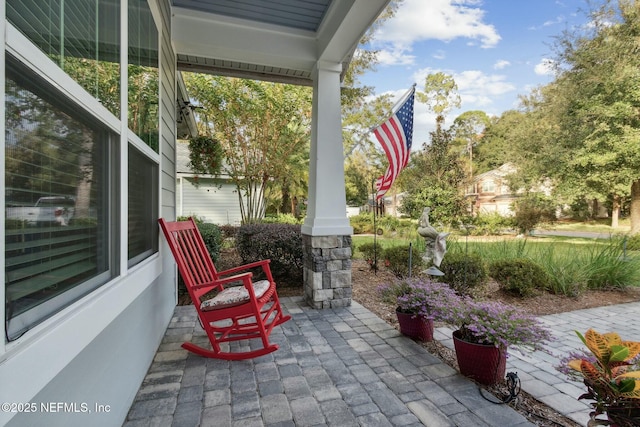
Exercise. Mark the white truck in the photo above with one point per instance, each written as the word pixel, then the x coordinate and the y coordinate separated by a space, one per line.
pixel 51 210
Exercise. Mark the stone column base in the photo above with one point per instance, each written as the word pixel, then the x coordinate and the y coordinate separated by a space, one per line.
pixel 327 271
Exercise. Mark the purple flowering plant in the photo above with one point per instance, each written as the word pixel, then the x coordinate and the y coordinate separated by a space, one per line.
pixel 419 296
pixel 479 322
pixel 498 324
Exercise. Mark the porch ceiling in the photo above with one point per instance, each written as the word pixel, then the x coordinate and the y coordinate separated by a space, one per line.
pixel 276 40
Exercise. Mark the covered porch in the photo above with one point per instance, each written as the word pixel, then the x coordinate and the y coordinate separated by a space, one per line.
pixel 310 43
pixel 335 367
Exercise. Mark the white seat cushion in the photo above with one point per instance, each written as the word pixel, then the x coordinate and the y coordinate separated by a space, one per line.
pixel 234 295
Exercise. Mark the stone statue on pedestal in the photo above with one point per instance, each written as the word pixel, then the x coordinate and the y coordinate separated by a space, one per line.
pixel 436 243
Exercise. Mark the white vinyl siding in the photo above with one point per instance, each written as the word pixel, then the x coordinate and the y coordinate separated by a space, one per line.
pixel 211 200
pixel 98 349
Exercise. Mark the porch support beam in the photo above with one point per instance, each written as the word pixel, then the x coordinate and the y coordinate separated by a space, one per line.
pixel 326 230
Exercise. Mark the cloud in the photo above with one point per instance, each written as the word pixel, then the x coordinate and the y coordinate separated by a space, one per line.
pixel 440 54
pixel 396 56
pixel 544 67
pixel 445 20
pixel 558 20
pixel 500 64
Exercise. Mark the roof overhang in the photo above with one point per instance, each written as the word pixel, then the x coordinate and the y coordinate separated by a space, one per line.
pixel 265 40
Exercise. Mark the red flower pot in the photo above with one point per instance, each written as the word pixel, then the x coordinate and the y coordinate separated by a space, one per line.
pixel 413 326
pixel 484 363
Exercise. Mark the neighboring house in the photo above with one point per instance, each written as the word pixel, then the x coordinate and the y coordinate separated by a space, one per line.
pixel 92 110
pixel 388 205
pixel 489 192
pixel 212 199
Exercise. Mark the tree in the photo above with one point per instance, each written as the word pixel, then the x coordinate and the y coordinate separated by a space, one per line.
pixel 469 128
pixel 440 94
pixel 598 77
pixel 434 178
pixel 263 129
pixel 495 146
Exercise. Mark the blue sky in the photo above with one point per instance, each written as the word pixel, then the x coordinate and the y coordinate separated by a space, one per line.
pixel 495 50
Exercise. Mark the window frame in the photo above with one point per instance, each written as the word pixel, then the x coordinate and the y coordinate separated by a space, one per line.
pixel 32 58
pixel 488 186
pixel 136 143
pixel 20 47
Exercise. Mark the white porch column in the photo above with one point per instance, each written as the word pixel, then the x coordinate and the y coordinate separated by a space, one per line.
pixel 326 230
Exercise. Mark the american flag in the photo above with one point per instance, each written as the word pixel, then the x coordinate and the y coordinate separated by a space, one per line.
pixel 395 137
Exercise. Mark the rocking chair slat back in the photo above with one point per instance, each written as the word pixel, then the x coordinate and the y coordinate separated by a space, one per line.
pixel 190 252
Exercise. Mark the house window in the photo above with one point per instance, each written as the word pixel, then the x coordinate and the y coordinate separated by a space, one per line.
pixel 143 73
pixel 59 178
pixel 143 120
pixel 143 206
pixel 488 187
pixel 82 37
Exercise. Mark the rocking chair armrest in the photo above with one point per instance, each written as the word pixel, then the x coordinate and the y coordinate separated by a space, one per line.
pixel 264 263
pixel 234 278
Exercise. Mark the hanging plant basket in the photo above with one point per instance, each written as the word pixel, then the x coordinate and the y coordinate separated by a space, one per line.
pixel 484 363
pixel 414 326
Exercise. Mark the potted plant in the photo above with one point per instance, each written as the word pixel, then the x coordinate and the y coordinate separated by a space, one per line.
pixel 486 330
pixel 418 303
pixel 611 373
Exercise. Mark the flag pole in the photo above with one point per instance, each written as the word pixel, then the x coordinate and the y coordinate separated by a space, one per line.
pixel 374 205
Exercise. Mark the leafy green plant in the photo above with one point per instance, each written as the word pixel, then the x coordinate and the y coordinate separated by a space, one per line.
pixel 362 223
pixel 396 259
pixel 463 272
pixel 612 377
pixel 212 238
pixel 281 243
pixel 633 242
pixel 372 253
pixel 490 224
pixel 205 155
pixel 281 219
pixel 519 276
pixel 531 210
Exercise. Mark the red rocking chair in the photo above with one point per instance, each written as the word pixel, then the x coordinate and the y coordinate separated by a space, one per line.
pixel 236 312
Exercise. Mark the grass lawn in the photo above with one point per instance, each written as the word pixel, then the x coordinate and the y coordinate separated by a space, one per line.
pixel 573 264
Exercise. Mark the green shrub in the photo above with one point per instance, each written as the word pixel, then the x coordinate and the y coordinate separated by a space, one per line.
pixel 463 272
pixel 362 223
pixel 211 234
pixel 212 238
pixel 388 223
pixel 372 253
pixel 490 224
pixel 519 276
pixel 281 219
pixel 281 243
pixel 532 210
pixel 196 218
pixel 396 259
